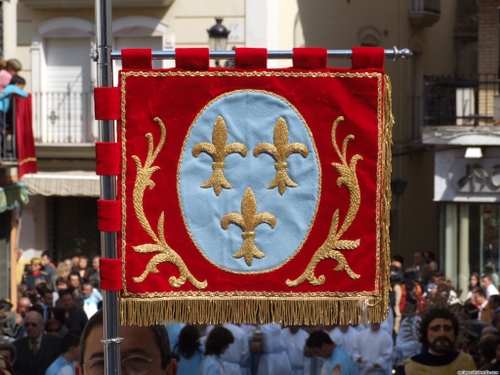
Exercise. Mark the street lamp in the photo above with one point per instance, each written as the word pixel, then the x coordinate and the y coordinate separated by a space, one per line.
pixel 217 37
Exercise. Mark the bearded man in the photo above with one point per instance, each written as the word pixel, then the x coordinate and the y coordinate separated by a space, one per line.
pixel 438 333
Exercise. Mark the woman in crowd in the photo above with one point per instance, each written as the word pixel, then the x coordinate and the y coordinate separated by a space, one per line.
pixel 62 270
pixel 189 350
pixel 217 343
pixel 473 282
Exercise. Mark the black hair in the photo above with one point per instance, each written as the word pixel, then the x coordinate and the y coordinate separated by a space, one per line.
pixel 17 80
pixel 495 298
pixel 487 346
pixel 486 276
pixel 437 311
pixel 66 291
pixel 218 339
pixel 188 343
pixel 7 345
pixel 47 254
pixel 70 340
pixel 479 291
pixel 159 331
pixel 399 258
pixel 317 338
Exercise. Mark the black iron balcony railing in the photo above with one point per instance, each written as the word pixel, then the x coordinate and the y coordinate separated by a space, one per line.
pixel 460 100
pixel 8 151
pixel 64 118
pixel 424 13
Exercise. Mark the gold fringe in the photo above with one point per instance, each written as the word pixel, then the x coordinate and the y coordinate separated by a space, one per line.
pixel 287 311
pixel 327 311
pixel 387 195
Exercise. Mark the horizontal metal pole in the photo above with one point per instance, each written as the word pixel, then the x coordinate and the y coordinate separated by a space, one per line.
pixel 338 54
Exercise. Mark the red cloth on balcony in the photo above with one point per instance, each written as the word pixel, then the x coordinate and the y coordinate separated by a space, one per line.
pixel 26 154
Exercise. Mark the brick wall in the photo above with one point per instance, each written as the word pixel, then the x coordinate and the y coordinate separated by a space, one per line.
pixel 488 36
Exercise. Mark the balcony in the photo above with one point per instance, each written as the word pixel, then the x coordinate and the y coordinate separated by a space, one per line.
pixel 424 13
pixel 73 4
pixel 461 110
pixel 64 118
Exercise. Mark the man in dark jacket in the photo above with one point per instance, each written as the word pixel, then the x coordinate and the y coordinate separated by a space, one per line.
pixel 75 316
pixel 37 351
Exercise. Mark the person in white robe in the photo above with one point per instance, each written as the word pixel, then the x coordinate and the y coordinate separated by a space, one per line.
pixel 373 351
pixel 388 324
pixel 344 335
pixel 238 353
pixel 246 367
pixel 273 360
pixel 295 340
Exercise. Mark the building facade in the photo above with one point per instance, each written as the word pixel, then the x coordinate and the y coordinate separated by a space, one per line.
pixel 54 39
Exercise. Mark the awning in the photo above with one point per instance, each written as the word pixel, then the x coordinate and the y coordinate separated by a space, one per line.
pixel 67 183
pixel 12 196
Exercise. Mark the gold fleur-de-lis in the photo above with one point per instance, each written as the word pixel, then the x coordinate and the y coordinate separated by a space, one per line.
pixel 218 150
pixel 248 220
pixel 280 151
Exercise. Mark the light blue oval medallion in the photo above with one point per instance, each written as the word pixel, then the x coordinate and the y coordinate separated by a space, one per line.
pixel 250 118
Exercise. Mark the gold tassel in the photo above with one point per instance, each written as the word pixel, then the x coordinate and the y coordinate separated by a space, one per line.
pixel 136 311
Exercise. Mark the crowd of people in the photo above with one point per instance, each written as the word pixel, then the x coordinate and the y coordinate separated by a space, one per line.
pixel 428 330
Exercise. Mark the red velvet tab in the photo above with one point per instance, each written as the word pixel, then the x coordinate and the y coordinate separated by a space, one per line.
pixel 107 155
pixel 110 272
pixel 251 58
pixel 109 217
pixel 192 58
pixel 310 58
pixel 137 58
pixel 368 57
pixel 107 103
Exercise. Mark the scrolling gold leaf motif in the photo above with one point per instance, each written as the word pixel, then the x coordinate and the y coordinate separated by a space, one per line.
pixel 166 253
pixel 333 243
pixel 280 151
pixel 248 220
pixel 218 150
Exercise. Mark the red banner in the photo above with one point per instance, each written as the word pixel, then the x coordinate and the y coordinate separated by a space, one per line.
pixel 25 142
pixel 255 194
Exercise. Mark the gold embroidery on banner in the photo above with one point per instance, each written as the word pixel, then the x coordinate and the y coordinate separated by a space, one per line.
pixel 27 160
pixel 248 220
pixel 218 150
pixel 333 242
pixel 385 122
pixel 166 253
pixel 153 73
pixel 280 151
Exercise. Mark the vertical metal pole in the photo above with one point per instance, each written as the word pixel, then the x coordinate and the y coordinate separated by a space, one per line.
pixel 108 186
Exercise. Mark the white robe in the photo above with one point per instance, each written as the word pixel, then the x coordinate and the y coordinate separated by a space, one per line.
pixel 273 360
pixel 388 324
pixel 237 353
pixel 294 347
pixel 370 348
pixel 346 340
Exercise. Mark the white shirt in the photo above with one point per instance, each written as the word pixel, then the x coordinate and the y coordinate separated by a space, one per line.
pixel 237 353
pixel 294 348
pixel 373 348
pixel 346 340
pixel 491 290
pixel 274 360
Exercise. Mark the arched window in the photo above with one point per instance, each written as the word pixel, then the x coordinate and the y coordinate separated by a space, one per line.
pixel 369 36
